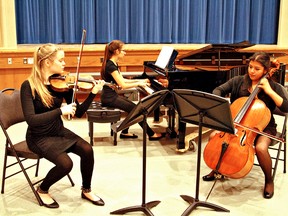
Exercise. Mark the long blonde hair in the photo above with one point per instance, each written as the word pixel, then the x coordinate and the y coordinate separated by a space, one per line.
pixel 37 76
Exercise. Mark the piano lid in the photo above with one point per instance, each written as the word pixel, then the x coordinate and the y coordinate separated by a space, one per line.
pixel 219 55
pixel 216 48
pixel 274 50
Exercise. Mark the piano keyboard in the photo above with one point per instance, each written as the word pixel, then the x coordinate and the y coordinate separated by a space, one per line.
pixel 146 89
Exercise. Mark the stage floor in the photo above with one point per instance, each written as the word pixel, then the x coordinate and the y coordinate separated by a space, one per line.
pixel 117 179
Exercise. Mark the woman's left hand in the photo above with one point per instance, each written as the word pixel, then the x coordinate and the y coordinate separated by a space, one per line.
pixel 98 86
pixel 264 84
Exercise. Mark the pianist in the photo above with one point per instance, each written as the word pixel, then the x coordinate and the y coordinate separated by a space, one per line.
pixel 114 52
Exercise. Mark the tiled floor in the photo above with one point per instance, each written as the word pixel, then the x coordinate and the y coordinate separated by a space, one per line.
pixel 117 179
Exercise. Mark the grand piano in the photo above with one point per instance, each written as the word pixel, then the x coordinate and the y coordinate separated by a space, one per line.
pixel 201 70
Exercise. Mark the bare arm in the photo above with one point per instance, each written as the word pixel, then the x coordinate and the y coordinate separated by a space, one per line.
pixel 127 83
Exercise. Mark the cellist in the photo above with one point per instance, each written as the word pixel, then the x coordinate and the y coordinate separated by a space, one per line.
pixel 272 94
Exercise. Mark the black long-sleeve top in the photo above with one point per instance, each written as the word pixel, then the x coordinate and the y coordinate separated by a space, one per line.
pixel 46 134
pixel 238 87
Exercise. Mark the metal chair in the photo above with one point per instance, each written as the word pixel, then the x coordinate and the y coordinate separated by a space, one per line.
pixel 279 146
pixel 277 149
pixel 10 115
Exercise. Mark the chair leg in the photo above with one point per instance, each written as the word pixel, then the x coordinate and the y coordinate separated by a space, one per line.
pixel 111 131
pixel 29 181
pixel 114 134
pixel 37 167
pixel 71 181
pixel 4 171
pixel 276 160
pixel 115 139
pixel 285 156
pixel 91 133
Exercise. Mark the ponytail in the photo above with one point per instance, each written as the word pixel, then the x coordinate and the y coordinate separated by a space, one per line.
pixel 110 49
pixel 104 61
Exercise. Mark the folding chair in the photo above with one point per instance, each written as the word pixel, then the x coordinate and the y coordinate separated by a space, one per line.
pixel 279 146
pixel 11 114
pixel 277 149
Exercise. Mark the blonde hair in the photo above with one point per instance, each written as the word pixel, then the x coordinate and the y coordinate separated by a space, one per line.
pixel 37 76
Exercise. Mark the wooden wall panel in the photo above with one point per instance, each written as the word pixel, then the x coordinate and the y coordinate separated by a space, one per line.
pixel 12 75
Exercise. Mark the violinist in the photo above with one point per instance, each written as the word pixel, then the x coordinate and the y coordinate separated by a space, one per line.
pixel 114 52
pixel 46 134
pixel 272 95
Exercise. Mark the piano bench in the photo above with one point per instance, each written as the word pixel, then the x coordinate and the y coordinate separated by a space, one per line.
pixel 98 114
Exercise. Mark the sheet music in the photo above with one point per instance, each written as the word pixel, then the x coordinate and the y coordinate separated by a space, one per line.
pixel 164 57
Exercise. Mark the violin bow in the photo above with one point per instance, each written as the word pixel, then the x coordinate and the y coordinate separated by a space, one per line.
pixel 78 65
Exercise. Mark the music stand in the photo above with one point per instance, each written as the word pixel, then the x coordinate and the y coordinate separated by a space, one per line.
pixel 138 114
pixel 203 109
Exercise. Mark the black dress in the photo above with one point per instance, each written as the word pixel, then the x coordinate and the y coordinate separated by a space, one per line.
pixel 46 134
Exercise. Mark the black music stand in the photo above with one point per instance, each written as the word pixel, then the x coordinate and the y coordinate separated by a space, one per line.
pixel 208 110
pixel 138 114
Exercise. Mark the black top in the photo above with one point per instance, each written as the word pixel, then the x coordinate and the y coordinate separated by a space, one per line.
pixel 109 94
pixel 46 134
pixel 238 87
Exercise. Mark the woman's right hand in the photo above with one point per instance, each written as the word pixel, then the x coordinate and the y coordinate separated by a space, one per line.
pixel 69 109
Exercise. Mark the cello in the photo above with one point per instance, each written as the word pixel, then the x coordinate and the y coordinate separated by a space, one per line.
pixel 232 155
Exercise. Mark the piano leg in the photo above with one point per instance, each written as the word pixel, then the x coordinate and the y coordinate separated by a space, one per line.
pixel 181 135
pixel 157 114
pixel 171 123
pixel 171 127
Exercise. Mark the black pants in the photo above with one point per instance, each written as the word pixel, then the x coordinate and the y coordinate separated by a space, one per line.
pixel 126 105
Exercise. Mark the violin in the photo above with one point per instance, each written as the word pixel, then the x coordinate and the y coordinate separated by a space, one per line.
pixel 64 82
pixel 232 155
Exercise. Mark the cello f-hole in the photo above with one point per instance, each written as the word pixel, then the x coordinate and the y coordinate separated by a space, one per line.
pixel 221 136
pixel 243 138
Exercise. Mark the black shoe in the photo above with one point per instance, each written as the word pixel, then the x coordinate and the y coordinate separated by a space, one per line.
pixel 213 177
pixel 157 138
pixel 99 202
pixel 51 205
pixel 127 136
pixel 267 195
pixel 208 177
